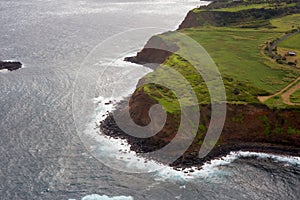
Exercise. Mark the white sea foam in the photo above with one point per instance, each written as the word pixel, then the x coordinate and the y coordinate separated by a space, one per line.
pixel 212 169
pixel 10 60
pixel 207 171
pixel 116 153
pixel 104 197
pixel 4 71
pixel 293 160
pixel 113 152
pixel 212 165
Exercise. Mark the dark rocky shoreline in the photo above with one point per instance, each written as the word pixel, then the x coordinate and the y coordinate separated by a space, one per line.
pixel 109 128
pixel 231 141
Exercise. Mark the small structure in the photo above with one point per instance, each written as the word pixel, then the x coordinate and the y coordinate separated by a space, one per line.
pixel 291 53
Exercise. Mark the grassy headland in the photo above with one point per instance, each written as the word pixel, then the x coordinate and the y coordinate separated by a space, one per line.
pixel 262 89
pixel 236 48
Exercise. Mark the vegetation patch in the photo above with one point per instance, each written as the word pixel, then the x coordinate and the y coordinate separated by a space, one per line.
pixel 292 43
pixel 235 46
pixel 295 97
pixel 294 131
pixel 286 23
pixel 256 6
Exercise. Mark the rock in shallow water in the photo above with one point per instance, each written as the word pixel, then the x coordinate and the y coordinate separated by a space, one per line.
pixel 10 65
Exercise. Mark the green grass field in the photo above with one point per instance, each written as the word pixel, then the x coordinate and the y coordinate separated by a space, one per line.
pixel 276 102
pixel 286 23
pixel 295 98
pixel 237 52
pixel 243 7
pixel 252 6
pixel 292 43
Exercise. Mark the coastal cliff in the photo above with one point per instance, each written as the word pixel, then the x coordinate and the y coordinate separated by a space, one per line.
pixel 249 125
pixel 221 14
pixel 151 57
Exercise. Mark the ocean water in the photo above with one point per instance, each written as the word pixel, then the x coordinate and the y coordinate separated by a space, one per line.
pixel 49 147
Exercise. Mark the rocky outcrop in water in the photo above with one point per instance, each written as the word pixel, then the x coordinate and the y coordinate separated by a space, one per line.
pixel 152 57
pixel 10 65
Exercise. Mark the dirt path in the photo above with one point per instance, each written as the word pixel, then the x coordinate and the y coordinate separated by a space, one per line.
pixel 289 89
pixel 286 96
pixel 284 92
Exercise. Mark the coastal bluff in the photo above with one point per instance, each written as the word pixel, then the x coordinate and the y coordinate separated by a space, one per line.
pixel 249 125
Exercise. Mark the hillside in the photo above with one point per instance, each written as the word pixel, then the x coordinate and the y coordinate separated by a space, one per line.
pixel 238 49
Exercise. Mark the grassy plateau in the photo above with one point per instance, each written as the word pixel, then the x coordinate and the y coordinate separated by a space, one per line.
pixel 238 51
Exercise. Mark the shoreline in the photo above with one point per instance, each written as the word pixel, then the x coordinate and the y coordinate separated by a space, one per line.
pixel 109 128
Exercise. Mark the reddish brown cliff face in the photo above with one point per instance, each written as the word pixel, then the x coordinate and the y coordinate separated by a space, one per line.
pixel 244 123
pixel 189 21
pixel 155 52
pixel 247 127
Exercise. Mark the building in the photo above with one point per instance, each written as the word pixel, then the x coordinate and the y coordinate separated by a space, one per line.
pixel 291 53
